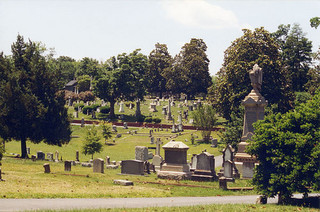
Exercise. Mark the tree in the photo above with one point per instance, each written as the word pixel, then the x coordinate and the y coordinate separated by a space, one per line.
pixel 287 148
pixel 66 68
pixel 160 61
pixel 233 83
pixel 90 67
pixel 205 119
pixel 295 50
pixel 315 22
pixel 92 143
pixel 84 82
pixel 124 79
pixel 30 105
pixel 314 75
pixel 192 65
pixel 106 131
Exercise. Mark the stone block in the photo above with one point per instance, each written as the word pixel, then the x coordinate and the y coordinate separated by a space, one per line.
pixel 98 165
pixel 123 182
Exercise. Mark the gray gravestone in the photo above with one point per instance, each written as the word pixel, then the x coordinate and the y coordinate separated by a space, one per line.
pixel 228 166
pixel 247 169
pixel 121 109
pixel 46 167
pixel 125 125
pixel 141 153
pixel 50 156
pixel 56 156
pixel 77 155
pixel 135 167
pixel 98 165
pixel 152 140
pixel 114 128
pixel 41 155
pixel 28 150
pixel 156 161
pixel 67 166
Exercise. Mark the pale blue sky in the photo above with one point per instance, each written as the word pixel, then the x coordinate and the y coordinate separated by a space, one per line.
pixel 101 29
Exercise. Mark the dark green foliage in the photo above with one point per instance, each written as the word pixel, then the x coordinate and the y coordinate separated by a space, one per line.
pixel 102 116
pixel 92 143
pixel 301 97
pixel 315 22
pixel 66 68
pixel 90 108
pixel 89 67
pixel 105 109
pixel 156 120
pixel 148 119
pixel 76 106
pixel 288 150
pixel 233 83
pixel 30 105
pixel 84 83
pixel 205 119
pixel 106 131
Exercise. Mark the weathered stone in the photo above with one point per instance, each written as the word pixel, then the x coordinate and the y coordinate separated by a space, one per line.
pixel 141 153
pixel 40 155
pixel 50 156
pixel 135 167
pixel 223 183
pixel 98 165
pixel 247 169
pixel 156 161
pixel 67 166
pixel 46 167
pixel 86 164
pixel 123 182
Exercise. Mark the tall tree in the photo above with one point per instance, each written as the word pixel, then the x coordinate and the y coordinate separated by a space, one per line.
pixel 124 79
pixel 30 105
pixel 295 50
pixel 89 66
pixel 66 68
pixel 287 148
pixel 92 143
pixel 233 83
pixel 160 61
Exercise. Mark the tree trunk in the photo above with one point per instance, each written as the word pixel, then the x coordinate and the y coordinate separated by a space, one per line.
pixel 24 148
pixel 112 115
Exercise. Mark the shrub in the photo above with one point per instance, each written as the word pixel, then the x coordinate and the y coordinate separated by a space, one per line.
pixel 102 116
pixel 148 119
pixel 105 109
pixel 76 106
pixel 156 120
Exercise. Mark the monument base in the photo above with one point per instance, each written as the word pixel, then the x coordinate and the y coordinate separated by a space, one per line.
pixel 174 175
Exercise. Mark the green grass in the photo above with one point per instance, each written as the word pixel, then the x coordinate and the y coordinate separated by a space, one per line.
pixel 217 208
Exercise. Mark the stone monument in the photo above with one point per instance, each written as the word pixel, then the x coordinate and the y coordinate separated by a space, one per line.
pixel 254 104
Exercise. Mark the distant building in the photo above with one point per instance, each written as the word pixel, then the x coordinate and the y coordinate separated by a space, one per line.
pixel 72 86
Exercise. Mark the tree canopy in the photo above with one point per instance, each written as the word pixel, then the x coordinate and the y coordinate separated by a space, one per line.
pixel 233 83
pixel 30 105
pixel 288 150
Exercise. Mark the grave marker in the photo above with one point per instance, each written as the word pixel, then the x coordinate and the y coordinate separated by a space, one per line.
pixel 98 165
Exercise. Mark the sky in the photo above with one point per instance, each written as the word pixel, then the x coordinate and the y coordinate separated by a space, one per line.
pixel 101 29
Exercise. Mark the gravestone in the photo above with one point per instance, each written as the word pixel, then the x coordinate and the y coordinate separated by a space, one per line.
pixel 123 182
pixel 214 142
pixel 82 122
pixel 228 167
pixel 41 155
pixel 75 114
pixel 180 126
pixel 118 135
pixel 56 158
pixel 228 155
pixel 107 160
pixel 98 165
pixel 174 129
pixel 204 167
pixel 114 128
pixel 67 165
pixel 247 169
pixel 46 167
pixel 121 109
pixel 156 161
pixel 77 155
pixel 152 140
pixel 135 167
pixel 125 125
pixel 50 156
pixel 158 143
pixel 169 115
pixel 33 157
pixel 28 150
pixel 153 107
pixel 141 153
pixel 223 183
pixel 164 110
pixel 138 111
pixel 175 166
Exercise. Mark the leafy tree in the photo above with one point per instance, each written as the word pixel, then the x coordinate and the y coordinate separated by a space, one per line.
pixel 315 22
pixel 30 105
pixel 90 67
pixel 233 83
pixel 86 96
pixel 160 61
pixel 106 131
pixel 287 148
pixel 314 75
pixel 84 82
pixel 124 79
pixel 192 65
pixel 92 143
pixel 295 50
pixel 66 68
pixel 205 119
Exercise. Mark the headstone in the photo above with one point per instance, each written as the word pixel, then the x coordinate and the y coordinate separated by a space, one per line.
pixel 158 143
pixel 164 110
pixel 121 109
pixel 98 165
pixel 150 155
pixel 41 155
pixel 123 182
pixel 56 158
pixel 141 153
pixel 114 128
pixel 33 157
pixel 125 125
pixel 86 164
pixel 46 167
pixel 153 107
pixel 175 166
pixel 173 130
pixel 223 183
pixel 228 167
pixel 28 150
pixel 169 115
pixel 75 114
pixel 247 169
pixel 204 167
pixel 77 155
pixel 150 133
pixel 214 142
pixel 152 140
pixel 138 111
pixel 131 106
pixel 67 165
pixel 50 156
pixel 156 161
pixel 82 122
pixel 118 135
pixel 135 167
pixel 191 121
pixel 107 160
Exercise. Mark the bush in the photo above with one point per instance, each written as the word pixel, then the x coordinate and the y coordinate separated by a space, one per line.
pixel 94 107
pixel 148 119
pixel 76 106
pixel 156 120
pixel 102 116
pixel 89 109
pixel 105 109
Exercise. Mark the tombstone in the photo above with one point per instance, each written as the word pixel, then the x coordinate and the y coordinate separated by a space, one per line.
pixel 77 155
pixel 93 114
pixel 153 107
pixel 228 155
pixel 107 160
pixel 125 125
pixel 228 168
pixel 175 166
pixel 169 115
pixel 158 103
pixel 223 183
pixel 135 167
pixel 118 135
pixel 98 165
pixel 67 166
pixel 185 113
pixel 121 109
pixel 191 121
pixel 152 140
pixel 150 133
pixel 33 157
pixel 173 130
pixel 75 114
pixel 190 107
pixel 204 167
pixel 214 142
pixel 150 155
pixel 138 111
pixel 41 155
pixel 123 182
pixel 86 164
pixel 164 110
pixel 158 143
pixel 82 122
pixel 130 106
pixel 114 128
pixel 50 156
pixel 247 169
pixel 157 161
pixel 28 150
pixel 141 153
pixel 180 126
pixel 46 167
pixel 56 158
